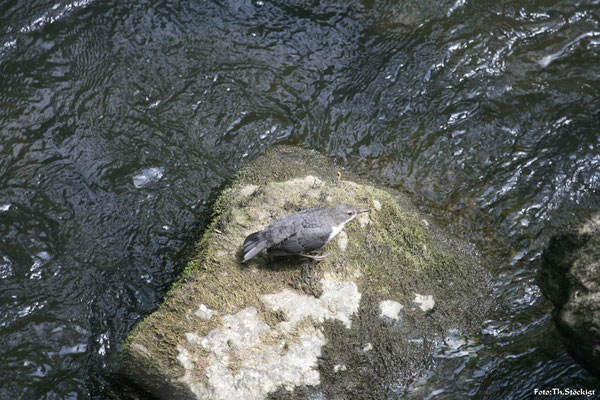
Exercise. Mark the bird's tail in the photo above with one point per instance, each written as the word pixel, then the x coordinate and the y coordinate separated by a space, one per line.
pixel 254 244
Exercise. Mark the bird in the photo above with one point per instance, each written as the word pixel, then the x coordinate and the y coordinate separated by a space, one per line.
pixel 301 233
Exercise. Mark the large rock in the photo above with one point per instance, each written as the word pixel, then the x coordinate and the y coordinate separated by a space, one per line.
pixel 570 277
pixel 363 323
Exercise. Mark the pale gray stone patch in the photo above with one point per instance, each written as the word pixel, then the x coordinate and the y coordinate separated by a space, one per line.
pixel 247 190
pixel 184 358
pixel 192 338
pixel 376 205
pixel 204 312
pixel 247 359
pixel 591 226
pixel 424 302
pixel 363 219
pixel 343 241
pixel 339 367
pixel 390 309
pixel 140 348
pixel 339 301
pixel 259 368
pixel 309 180
pixel 241 330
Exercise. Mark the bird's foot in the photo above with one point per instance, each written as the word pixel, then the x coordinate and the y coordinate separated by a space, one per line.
pixel 315 257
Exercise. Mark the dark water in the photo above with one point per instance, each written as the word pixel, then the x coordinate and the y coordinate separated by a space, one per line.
pixel 120 120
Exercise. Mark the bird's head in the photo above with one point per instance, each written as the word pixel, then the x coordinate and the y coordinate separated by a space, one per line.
pixel 345 213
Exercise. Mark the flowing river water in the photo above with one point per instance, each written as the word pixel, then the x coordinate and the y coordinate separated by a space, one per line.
pixel 120 121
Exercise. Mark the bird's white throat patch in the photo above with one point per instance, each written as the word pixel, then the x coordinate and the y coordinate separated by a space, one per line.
pixel 338 228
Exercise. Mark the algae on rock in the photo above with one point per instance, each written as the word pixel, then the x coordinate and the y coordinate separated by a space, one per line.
pixel 277 324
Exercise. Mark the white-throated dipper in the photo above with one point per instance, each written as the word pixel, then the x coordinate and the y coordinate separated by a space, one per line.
pixel 301 233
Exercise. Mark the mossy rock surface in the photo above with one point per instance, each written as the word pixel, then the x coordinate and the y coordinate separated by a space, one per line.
pixel 363 323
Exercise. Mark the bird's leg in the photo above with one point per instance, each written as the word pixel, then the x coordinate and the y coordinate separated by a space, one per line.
pixel 314 257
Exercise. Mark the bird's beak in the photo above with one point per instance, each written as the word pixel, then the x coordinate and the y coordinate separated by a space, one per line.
pixel 363 211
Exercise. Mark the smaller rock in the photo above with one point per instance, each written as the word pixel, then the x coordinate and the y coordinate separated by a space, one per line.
pixel 424 302
pixel 569 276
pixel 390 309
pixel 368 347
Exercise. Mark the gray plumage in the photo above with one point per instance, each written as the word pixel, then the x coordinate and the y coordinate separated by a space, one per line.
pixel 300 233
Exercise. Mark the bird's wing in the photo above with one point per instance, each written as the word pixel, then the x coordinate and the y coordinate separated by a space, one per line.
pixel 288 236
pixel 282 229
pixel 290 245
pixel 305 243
